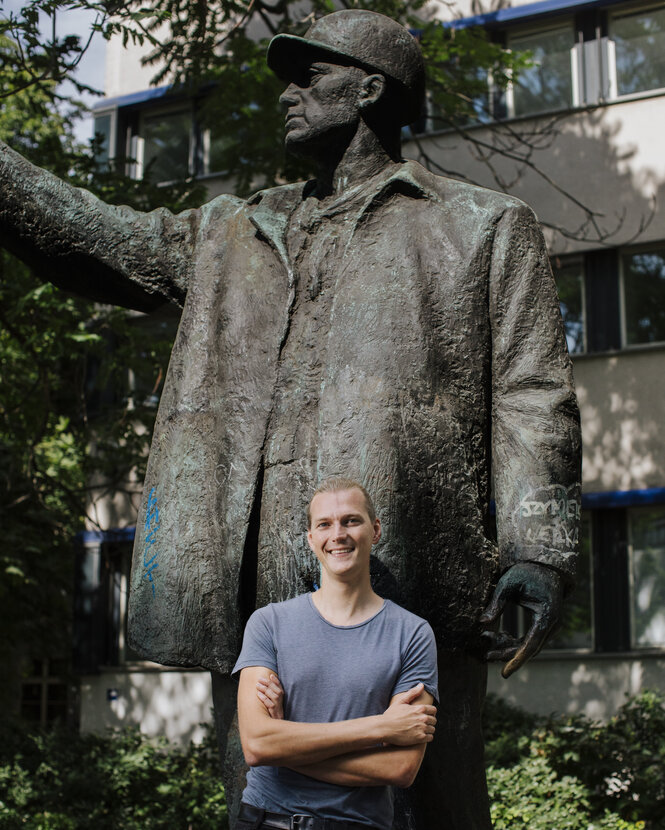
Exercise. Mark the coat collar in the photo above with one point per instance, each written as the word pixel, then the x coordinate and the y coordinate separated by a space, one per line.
pixel 271 209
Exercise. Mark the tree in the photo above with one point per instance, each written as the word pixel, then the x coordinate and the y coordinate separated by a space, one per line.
pixel 61 356
pixel 224 43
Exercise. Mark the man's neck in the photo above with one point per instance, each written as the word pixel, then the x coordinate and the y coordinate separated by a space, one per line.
pixel 344 604
pixel 364 157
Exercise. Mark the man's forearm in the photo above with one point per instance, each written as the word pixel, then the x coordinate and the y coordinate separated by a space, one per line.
pixel 289 743
pixel 382 766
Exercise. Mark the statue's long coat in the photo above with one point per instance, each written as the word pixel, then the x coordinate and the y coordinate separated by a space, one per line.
pixel 411 341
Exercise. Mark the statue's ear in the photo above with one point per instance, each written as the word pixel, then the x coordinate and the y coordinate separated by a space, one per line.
pixel 372 88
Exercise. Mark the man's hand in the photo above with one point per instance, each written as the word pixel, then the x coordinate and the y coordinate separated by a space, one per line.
pixel 406 723
pixel 533 586
pixel 271 694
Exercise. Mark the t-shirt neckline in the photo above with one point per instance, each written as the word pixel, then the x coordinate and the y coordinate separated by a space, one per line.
pixel 345 627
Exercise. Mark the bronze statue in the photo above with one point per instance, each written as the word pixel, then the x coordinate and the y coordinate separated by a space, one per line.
pixel 378 322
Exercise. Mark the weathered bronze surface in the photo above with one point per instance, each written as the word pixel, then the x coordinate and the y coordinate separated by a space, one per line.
pixel 381 323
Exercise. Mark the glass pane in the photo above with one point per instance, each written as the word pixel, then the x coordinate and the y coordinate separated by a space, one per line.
pixel 644 296
pixel 647 533
pixel 640 50
pixel 569 284
pixel 102 131
pixel 547 85
pixel 166 152
pixel 31 701
pixel 576 629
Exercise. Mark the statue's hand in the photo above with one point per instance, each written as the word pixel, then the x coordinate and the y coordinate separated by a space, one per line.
pixel 271 694
pixel 533 586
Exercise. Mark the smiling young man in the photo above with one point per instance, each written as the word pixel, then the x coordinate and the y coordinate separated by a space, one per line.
pixel 359 678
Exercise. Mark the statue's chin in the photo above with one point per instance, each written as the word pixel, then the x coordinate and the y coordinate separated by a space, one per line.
pixel 299 147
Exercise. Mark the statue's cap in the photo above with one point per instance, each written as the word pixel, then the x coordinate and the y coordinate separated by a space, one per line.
pixel 363 38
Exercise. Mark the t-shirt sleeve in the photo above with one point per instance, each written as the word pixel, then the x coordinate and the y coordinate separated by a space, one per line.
pixel 258 646
pixel 419 663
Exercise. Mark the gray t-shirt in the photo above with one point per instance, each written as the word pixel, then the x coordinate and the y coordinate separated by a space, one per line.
pixel 333 673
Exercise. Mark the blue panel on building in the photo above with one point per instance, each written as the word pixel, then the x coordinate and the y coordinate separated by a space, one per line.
pixel 518 14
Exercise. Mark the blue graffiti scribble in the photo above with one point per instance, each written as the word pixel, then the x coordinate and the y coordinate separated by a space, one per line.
pixel 151 526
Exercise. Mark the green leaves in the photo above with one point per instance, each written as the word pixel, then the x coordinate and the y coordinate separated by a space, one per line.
pixel 64 780
pixel 570 772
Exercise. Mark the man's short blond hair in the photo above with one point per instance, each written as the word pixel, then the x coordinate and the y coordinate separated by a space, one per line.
pixel 336 484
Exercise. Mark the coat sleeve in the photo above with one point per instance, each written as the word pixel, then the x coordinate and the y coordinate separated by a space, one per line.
pixel 106 253
pixel 536 444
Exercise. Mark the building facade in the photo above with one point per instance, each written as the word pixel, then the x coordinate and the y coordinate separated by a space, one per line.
pixel 579 137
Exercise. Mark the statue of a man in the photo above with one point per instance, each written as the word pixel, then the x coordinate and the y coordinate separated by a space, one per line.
pixel 380 323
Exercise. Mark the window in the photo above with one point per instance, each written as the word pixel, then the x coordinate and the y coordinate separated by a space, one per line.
pixel 569 276
pixel 638 46
pixel 643 278
pixel 577 624
pixel 647 564
pixel 612 299
pixel 44 693
pixel 548 84
pixel 164 148
pixel 105 125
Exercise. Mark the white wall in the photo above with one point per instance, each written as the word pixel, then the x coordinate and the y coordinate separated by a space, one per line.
pixel 593 685
pixel 162 702
pixel 610 158
pixel 622 404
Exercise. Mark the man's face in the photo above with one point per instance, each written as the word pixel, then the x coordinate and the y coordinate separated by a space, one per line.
pixel 322 107
pixel 341 533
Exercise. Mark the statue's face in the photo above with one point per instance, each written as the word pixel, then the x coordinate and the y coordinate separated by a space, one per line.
pixel 322 107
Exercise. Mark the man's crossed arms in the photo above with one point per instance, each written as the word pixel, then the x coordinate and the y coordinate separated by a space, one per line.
pixel 378 750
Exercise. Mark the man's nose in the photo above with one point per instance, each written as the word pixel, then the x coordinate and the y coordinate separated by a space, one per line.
pixel 339 531
pixel 289 96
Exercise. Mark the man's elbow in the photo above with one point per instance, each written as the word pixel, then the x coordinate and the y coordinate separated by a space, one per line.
pixel 406 771
pixel 260 751
pixel 255 753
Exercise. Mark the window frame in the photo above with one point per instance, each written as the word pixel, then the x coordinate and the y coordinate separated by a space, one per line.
pixel 614 14
pixel 567 260
pixel 136 140
pixel 634 645
pixel 623 252
pixel 520 32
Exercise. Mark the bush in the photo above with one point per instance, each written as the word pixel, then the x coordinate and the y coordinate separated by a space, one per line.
pixel 63 781
pixel 570 772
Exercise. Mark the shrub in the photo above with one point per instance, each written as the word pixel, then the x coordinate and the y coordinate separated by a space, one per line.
pixel 63 781
pixel 570 772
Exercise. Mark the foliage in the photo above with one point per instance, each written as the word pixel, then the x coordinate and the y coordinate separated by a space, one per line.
pixel 571 772
pixel 223 44
pixel 64 781
pixel 64 364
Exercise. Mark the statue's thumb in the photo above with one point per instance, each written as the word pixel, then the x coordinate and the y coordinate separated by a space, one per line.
pixel 493 610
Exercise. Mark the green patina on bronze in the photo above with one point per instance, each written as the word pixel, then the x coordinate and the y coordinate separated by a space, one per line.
pixel 389 325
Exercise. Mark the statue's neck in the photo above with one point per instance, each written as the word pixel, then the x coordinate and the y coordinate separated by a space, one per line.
pixel 364 157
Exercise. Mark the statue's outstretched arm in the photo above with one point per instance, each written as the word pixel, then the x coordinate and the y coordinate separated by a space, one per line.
pixel 536 444
pixel 106 253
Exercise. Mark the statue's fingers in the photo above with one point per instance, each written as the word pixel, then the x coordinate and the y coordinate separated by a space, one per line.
pixel 533 641
pixel 496 606
pixel 501 655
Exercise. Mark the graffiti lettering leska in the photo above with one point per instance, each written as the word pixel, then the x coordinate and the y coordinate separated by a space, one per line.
pixel 549 516
pixel 150 551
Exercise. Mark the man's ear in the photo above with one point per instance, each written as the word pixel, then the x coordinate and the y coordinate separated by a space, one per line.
pixel 377 531
pixel 371 89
